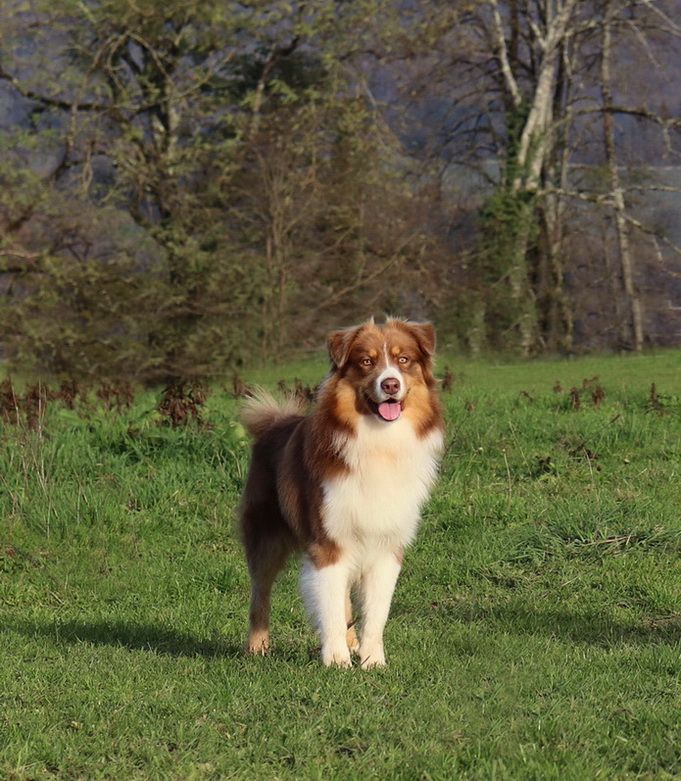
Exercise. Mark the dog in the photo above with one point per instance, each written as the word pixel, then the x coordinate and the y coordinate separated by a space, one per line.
pixel 344 484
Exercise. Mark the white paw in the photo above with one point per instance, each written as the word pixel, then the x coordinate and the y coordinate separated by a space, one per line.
pixel 336 656
pixel 372 656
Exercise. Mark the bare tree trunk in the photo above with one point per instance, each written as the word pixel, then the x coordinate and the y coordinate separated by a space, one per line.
pixel 558 326
pixel 521 290
pixel 632 331
pixel 612 273
pixel 267 299
pixel 535 141
pixel 277 249
pixel 532 152
pixel 558 318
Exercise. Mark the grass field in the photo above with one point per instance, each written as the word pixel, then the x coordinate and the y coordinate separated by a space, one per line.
pixel 535 631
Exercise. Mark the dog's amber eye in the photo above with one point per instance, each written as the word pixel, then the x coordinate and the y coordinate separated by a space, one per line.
pixel 403 359
pixel 366 362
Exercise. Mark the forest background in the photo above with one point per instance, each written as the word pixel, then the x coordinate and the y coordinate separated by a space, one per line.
pixel 189 185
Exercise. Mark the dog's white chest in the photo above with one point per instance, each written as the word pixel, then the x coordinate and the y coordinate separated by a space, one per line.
pixel 391 474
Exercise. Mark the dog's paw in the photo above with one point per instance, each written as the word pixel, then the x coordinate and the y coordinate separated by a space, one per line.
pixel 258 644
pixel 336 657
pixel 372 657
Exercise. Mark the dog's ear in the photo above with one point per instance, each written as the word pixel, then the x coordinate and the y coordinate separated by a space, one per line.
pixel 425 336
pixel 339 344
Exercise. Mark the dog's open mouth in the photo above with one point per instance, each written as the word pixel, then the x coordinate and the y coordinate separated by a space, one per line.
pixel 387 410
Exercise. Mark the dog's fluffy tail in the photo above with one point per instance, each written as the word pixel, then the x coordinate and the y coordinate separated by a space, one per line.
pixel 262 410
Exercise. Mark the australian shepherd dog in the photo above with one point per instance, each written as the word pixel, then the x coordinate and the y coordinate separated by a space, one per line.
pixel 344 484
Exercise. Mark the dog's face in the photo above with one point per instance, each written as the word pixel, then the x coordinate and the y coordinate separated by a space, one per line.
pixel 388 367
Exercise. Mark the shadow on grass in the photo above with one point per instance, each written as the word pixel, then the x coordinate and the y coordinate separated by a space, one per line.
pixel 590 628
pixel 136 637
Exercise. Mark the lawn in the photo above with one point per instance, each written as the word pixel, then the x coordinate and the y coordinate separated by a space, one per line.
pixel 535 631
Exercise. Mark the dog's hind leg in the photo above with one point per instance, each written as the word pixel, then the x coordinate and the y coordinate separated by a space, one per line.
pixel 351 636
pixel 266 556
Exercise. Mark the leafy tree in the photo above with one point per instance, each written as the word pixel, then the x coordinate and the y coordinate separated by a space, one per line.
pixel 227 135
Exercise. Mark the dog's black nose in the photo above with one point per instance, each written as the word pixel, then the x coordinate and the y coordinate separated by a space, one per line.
pixel 391 386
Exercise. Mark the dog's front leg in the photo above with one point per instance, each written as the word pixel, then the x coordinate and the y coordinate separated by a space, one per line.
pixel 377 587
pixel 324 590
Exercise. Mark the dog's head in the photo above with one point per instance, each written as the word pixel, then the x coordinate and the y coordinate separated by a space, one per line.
pixel 389 367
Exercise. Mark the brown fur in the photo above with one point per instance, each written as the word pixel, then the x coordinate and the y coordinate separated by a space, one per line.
pixel 293 454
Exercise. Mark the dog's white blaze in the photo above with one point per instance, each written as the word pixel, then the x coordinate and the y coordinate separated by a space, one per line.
pixel 391 370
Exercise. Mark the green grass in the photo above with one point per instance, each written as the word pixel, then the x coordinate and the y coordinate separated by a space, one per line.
pixel 535 631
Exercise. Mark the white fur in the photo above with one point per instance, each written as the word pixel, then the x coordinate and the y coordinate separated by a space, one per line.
pixel 390 371
pixel 377 586
pixel 391 472
pixel 372 512
pixel 324 593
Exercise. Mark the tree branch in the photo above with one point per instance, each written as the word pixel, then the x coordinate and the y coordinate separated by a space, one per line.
pixel 49 100
pixel 502 54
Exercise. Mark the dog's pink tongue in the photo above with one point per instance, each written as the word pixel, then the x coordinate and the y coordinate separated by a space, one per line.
pixel 389 410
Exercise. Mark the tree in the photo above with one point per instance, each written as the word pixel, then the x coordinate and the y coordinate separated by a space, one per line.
pixel 632 326
pixel 520 80
pixel 217 126
pixel 225 178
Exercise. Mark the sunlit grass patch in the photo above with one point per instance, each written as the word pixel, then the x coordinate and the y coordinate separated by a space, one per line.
pixel 535 631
